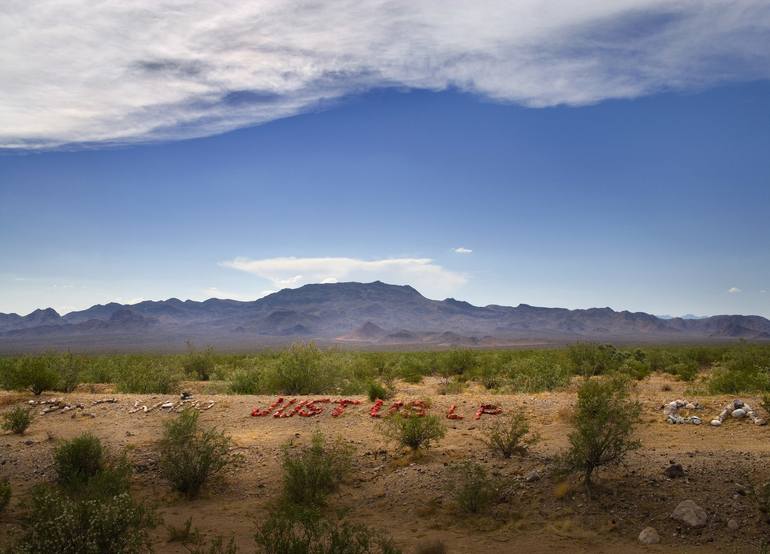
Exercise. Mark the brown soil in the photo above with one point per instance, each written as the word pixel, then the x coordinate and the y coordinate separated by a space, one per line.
pixel 407 498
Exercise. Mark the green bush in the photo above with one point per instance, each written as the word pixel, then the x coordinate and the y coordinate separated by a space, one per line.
pixel 147 378
pixel 87 525
pixel 590 359
pixel 536 374
pixel 78 460
pixel 459 362
pixel 472 489
pixel 377 391
pixel 190 455
pixel 33 373
pixel 5 494
pixel 295 532
pixel 199 365
pixel 311 475
pixel 17 419
pixel 245 381
pixel 604 421
pixel 508 435
pixel 69 368
pixel 414 432
pixel 299 370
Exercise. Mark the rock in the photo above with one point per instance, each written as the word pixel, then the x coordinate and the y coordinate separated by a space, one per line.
pixel 739 413
pixel 716 422
pixel 732 525
pixel 690 513
pixel 674 471
pixel 649 536
pixel 532 476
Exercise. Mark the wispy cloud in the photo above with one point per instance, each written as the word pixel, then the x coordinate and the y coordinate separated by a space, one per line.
pixel 104 72
pixel 423 273
pixel 215 292
pixel 733 290
pixel 462 250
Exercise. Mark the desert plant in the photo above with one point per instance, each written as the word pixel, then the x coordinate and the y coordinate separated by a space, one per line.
pixel 298 370
pixel 594 359
pixel 69 372
pixel 297 532
pixel 472 489
pixel 508 435
pixel 378 391
pixel 766 403
pixel 314 473
pixel 17 419
pixel 59 523
pixel 34 373
pixel 5 494
pixel 190 455
pixel 604 421
pixel 78 460
pixel 414 432
pixel 145 377
pixel 195 543
pixel 244 381
pixel 199 364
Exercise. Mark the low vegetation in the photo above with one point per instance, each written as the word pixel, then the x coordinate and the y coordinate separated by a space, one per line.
pixel 509 435
pixel 17 420
pixel 737 368
pixel 298 532
pixel 604 421
pixel 89 509
pixel 5 494
pixel 472 489
pixel 316 471
pixel 190 455
pixel 414 432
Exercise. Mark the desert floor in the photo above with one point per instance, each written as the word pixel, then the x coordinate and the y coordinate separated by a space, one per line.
pixel 407 497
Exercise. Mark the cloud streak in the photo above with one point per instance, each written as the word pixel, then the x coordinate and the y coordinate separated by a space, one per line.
pixel 289 272
pixel 109 72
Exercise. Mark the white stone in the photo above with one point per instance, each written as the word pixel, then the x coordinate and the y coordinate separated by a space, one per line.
pixel 732 525
pixel 690 513
pixel 649 536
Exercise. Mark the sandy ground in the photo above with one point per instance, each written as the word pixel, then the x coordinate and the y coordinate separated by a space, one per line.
pixel 407 497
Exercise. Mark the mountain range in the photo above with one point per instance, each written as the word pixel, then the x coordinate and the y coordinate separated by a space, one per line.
pixel 359 314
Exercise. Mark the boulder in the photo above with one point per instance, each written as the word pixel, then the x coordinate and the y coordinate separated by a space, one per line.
pixel 674 471
pixel 649 536
pixel 689 513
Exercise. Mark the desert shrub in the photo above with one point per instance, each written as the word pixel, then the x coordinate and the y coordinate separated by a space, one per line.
pixel 299 370
pixel 590 359
pixel 449 386
pixel 244 381
pixel 190 455
pixel 536 374
pixel 458 362
pixel 744 368
pixel 414 432
pixel 146 378
pixel 471 488
pixel 5 494
pixel 78 460
pixel 17 419
pixel 490 378
pixel 296 532
pixel 378 391
pixel 315 472
pixel 766 403
pixel 635 368
pixel 604 421
pixel 86 525
pixel 199 364
pixel 68 367
pixel 33 373
pixel 686 370
pixel 195 543
pixel 508 434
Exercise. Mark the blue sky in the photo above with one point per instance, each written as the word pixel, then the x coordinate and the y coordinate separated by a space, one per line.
pixel 657 204
pixel 558 154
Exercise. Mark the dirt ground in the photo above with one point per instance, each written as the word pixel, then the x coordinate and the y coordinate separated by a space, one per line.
pixel 407 497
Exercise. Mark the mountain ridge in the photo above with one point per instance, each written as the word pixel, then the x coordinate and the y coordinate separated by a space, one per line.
pixel 364 313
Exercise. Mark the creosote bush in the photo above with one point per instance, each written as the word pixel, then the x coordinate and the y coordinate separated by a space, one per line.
pixel 414 432
pixel 508 435
pixel 17 419
pixel 472 489
pixel 316 471
pixel 189 455
pixel 604 422
pixel 245 381
pixel 378 391
pixel 293 531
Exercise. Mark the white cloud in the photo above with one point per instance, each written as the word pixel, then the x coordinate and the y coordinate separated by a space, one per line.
pixel 81 71
pixel 733 290
pixel 763 291
pixel 462 250
pixel 214 292
pixel 427 276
